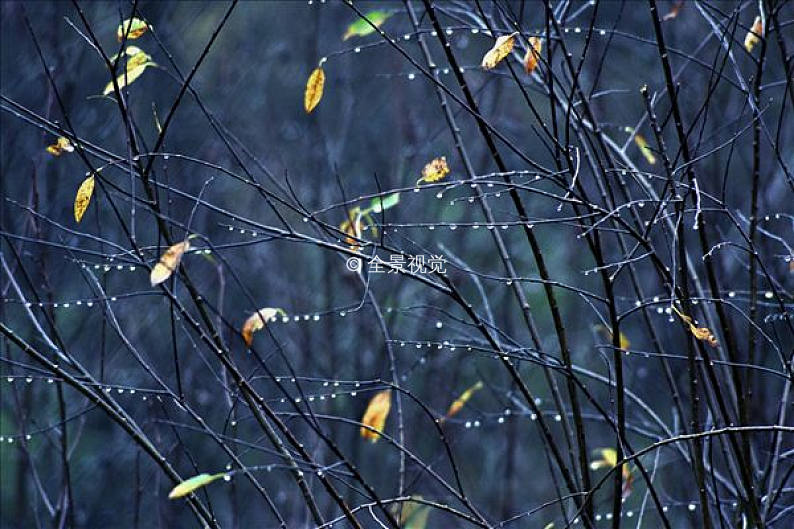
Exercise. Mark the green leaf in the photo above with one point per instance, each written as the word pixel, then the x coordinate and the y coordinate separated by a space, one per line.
pixel 378 204
pixel 362 28
pixel 189 485
pixel 412 514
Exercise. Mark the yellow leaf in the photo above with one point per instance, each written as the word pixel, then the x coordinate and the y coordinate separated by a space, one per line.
pixel 61 145
pixel 753 36
pixel 644 149
pixel 609 459
pixel 375 416
pixel 624 340
pixel 314 90
pixel 189 485
pixel 168 263
pixel 133 27
pixel 532 57
pixel 461 401
pixel 257 322
pixel 435 170
pixel 501 49
pixel 137 63
pixel 83 197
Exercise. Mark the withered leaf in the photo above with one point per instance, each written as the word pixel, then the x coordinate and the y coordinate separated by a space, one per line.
pixel 532 56
pixel 257 322
pixel 501 49
pixel 435 170
pixel 168 263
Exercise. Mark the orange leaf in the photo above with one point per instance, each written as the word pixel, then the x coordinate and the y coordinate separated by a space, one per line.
pixel 168 262
pixel 257 322
pixel 375 416
pixel 83 197
pixel 314 90
pixel 501 49
pixel 532 57
pixel 674 10
pixel 461 401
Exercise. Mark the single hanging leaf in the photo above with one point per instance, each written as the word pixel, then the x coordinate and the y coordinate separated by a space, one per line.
pixel 61 145
pixel 435 170
pixel 136 65
pixel 257 322
pixel 379 204
pixel 362 28
pixel 461 401
pixel 189 485
pixel 532 57
pixel 375 416
pixel 501 49
pixel 753 36
pixel 703 334
pixel 646 151
pixel 168 263
pixel 411 514
pixel 314 90
pixel 133 27
pixel 83 197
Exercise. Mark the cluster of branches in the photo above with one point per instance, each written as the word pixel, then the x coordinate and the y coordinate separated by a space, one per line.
pixel 624 303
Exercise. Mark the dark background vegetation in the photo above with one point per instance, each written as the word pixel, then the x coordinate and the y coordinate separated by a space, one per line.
pixel 66 463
